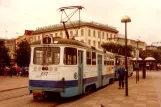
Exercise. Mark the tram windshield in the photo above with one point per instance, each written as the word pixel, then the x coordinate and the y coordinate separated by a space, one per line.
pixel 46 55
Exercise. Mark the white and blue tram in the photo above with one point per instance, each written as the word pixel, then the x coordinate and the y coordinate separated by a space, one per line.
pixel 67 67
pixel 119 59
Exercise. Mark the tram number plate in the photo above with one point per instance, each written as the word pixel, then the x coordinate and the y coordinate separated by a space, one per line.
pixel 44 73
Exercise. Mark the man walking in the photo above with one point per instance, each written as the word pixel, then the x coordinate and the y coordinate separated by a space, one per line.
pixel 121 75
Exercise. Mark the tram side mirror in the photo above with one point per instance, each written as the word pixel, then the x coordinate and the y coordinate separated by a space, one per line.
pixel 46 40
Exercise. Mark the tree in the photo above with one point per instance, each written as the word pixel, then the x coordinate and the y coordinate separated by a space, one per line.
pixel 118 48
pixel 22 53
pixel 151 53
pixel 4 56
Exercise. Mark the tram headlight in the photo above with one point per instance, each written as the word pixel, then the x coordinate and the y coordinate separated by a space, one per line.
pixel 35 68
pixel 51 68
pixel 55 69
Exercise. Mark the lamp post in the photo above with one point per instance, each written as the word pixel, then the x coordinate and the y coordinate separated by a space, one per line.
pixel 126 19
pixel 137 63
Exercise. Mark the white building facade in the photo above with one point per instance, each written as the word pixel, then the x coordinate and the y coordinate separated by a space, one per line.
pixel 91 33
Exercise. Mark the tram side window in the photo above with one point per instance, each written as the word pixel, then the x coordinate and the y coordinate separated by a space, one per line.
pixel 112 62
pixel 70 56
pixel 93 58
pixel 108 63
pixel 88 58
pixel 105 62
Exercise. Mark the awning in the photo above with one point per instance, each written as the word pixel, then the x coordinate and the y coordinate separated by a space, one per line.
pixel 150 59
pixel 134 59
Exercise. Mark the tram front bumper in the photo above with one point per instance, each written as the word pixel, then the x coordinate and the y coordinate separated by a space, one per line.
pixel 43 89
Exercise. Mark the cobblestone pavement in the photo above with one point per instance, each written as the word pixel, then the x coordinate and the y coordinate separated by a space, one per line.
pixel 7 83
pixel 20 98
pixel 27 101
pixel 146 93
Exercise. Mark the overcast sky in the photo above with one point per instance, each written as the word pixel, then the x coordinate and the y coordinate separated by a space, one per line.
pixel 18 15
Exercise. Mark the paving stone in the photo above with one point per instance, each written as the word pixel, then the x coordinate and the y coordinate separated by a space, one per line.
pixel 114 105
pixel 128 102
pixel 127 105
pixel 91 102
pixel 139 105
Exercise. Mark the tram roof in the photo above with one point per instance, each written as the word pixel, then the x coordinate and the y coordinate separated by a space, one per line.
pixel 59 40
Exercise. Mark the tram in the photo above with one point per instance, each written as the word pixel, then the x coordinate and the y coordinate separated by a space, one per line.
pixel 121 59
pixel 67 67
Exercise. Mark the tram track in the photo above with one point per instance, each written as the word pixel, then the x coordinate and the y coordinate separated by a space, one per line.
pixel 12 97
pixel 14 93
pixel 13 89
pixel 22 99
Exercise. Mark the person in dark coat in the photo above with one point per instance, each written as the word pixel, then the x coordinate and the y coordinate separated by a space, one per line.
pixel 121 75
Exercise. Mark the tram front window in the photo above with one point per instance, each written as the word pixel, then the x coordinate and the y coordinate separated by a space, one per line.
pixel 46 55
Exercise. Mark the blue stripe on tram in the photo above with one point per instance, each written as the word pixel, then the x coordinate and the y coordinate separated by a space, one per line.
pixel 59 84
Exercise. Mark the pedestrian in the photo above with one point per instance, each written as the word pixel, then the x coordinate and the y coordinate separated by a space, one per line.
pixel 11 71
pixel 17 71
pixel 5 71
pixel 121 76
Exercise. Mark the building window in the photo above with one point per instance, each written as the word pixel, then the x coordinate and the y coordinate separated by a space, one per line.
pixel 82 40
pixel 99 45
pixel 110 35
pixel 99 34
pixel 38 37
pixel 89 42
pixel 89 32
pixel 51 35
pixel 61 34
pixel 107 36
pixel 76 34
pixel 94 43
pixel 94 33
pixel 114 36
pixel 56 34
pixel 102 35
pixel 71 33
pixel 82 32
pixel 70 56
pixel 35 38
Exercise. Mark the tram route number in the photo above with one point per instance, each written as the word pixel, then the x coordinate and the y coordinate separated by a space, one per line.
pixel 75 75
pixel 44 73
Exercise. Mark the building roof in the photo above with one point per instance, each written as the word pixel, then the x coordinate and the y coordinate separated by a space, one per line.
pixel 3 38
pixel 121 36
pixel 76 25
pixel 28 32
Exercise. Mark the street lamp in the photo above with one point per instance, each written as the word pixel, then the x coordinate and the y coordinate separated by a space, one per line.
pixel 137 56
pixel 126 19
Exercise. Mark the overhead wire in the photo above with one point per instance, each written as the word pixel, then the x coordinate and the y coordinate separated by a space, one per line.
pixel 22 12
pixel 37 19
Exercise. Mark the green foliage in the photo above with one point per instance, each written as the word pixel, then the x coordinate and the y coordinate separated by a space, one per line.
pixel 22 54
pixel 4 56
pixel 118 48
pixel 151 53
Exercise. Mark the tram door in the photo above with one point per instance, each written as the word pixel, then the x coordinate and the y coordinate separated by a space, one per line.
pixel 80 71
pixel 99 64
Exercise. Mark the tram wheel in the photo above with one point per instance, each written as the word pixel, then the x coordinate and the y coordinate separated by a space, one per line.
pixel 39 98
